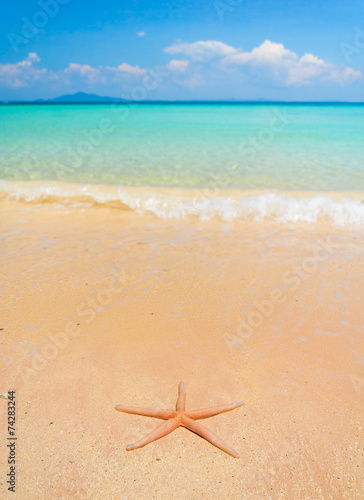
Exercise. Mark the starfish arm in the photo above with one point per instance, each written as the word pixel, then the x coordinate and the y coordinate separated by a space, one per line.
pixel 210 436
pixel 162 430
pixel 211 412
pixel 181 400
pixel 146 412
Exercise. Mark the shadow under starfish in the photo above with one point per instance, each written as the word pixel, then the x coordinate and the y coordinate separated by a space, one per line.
pixel 180 417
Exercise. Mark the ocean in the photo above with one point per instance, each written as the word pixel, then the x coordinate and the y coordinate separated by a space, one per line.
pixel 234 161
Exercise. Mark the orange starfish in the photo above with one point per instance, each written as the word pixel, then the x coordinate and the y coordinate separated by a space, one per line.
pixel 181 417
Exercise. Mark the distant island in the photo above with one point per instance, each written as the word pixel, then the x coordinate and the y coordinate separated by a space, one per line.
pixel 77 98
pixel 84 98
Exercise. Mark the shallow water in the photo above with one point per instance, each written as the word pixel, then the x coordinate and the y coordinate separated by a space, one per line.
pixel 301 147
pixel 232 161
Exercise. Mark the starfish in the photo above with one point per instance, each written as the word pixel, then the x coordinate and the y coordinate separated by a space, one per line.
pixel 175 418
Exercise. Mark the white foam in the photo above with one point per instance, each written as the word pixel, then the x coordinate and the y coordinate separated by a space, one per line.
pixel 170 204
pixel 275 207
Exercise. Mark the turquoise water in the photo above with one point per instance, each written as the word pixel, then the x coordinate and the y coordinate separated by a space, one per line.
pixel 296 147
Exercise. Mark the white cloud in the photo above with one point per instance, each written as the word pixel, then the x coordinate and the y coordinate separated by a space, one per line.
pixel 132 70
pixel 22 73
pixel 267 53
pixel 285 67
pixel 26 72
pixel 102 74
pixel 141 33
pixel 270 61
pixel 210 63
pixel 177 66
pixel 201 51
pixel 83 69
pixel 344 76
pixel 310 58
pixel 32 56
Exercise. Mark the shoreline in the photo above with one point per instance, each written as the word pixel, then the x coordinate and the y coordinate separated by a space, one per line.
pixel 337 207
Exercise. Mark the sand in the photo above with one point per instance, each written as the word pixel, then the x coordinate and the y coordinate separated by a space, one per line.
pixel 103 307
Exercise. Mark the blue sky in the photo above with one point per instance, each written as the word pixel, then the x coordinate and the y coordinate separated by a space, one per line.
pixel 208 49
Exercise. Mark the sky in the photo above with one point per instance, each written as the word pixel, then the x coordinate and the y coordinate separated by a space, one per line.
pixel 183 50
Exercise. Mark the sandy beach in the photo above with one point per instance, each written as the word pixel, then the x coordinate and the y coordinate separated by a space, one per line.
pixel 181 249
pixel 103 307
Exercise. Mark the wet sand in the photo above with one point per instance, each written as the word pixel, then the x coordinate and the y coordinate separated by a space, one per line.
pixel 102 307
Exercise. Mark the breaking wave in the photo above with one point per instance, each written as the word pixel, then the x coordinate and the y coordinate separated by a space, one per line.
pixel 180 204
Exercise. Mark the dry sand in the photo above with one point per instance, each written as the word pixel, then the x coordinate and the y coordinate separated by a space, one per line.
pixel 103 307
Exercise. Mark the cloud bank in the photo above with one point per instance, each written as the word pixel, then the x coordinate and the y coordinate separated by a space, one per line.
pixel 201 63
pixel 269 62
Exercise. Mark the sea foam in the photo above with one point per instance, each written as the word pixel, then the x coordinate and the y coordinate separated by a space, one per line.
pixel 169 204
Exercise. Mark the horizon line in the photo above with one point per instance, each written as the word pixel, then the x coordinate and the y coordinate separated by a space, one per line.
pixel 177 101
